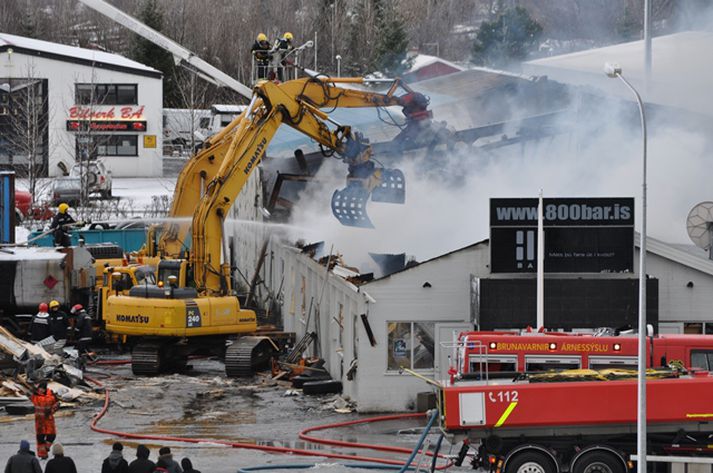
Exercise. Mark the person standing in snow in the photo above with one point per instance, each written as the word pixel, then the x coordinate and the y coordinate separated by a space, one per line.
pixel 60 463
pixel 142 464
pixel 115 462
pixel 24 461
pixel 188 466
pixel 46 404
pixel 166 457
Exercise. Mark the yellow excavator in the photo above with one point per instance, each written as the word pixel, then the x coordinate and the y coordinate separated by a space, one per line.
pixel 197 309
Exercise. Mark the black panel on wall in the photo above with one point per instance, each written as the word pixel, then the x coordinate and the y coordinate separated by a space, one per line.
pixel 569 303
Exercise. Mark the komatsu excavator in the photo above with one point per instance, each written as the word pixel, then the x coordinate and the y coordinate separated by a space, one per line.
pixel 197 309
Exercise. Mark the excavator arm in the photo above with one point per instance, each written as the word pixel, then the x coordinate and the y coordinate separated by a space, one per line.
pixel 313 93
pixel 190 187
pixel 297 104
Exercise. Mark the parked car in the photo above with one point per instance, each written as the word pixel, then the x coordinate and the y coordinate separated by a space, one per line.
pixel 98 178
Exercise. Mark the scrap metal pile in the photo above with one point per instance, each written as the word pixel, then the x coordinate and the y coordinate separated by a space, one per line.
pixel 23 364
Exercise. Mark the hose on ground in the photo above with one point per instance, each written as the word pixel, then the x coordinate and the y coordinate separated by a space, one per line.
pixel 249 446
pixel 406 466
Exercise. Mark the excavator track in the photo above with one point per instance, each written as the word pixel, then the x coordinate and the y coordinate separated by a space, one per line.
pixel 246 355
pixel 146 359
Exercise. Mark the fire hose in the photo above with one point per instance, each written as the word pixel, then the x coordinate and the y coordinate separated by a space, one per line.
pixel 269 448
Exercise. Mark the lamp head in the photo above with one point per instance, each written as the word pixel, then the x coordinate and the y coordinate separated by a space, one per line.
pixel 612 69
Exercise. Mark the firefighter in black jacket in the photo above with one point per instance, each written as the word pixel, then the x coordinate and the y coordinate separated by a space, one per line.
pixel 261 51
pixel 59 225
pixel 58 324
pixel 82 328
pixel 284 49
pixel 40 326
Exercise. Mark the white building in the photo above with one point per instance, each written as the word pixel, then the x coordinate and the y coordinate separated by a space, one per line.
pixel 95 103
pixel 414 314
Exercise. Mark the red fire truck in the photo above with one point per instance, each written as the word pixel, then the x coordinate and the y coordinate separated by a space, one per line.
pixel 504 354
pixel 580 426
pixel 576 426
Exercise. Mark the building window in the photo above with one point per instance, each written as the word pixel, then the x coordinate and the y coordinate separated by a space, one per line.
pixel 111 145
pixel 411 345
pixel 106 94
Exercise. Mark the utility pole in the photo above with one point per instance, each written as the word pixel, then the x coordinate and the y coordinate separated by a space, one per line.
pixel 647 45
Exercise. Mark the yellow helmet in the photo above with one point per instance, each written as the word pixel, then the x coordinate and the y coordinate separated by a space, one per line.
pixel 54 304
pixel 262 37
pixel 62 208
pixel 288 36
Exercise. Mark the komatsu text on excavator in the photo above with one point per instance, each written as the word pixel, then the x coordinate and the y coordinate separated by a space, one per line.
pixel 197 309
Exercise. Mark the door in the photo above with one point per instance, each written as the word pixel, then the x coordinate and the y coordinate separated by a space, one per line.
pixel 446 338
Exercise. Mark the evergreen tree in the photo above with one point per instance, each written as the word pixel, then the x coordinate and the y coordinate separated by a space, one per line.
pixel 392 43
pixel 146 52
pixel 509 38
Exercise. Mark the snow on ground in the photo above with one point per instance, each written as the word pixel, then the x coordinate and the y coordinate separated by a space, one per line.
pixel 141 189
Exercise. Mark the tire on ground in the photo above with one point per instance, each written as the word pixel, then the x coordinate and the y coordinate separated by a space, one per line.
pixel 322 387
pixel 530 461
pixel 598 461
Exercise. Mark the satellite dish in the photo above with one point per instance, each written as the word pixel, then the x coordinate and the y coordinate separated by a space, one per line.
pixel 700 225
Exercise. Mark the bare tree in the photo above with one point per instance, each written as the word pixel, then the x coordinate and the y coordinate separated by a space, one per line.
pixel 192 94
pixel 27 128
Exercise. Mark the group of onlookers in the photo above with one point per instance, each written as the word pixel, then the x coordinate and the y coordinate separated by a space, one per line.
pixel 25 461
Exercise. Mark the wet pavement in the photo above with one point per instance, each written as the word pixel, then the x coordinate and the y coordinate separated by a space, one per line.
pixel 204 404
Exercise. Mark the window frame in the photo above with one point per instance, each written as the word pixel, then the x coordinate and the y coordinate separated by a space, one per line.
pixel 103 90
pixel 552 360
pixel 97 140
pixel 412 338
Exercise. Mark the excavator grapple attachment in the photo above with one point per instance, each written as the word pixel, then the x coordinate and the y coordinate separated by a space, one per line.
pixel 391 189
pixel 382 185
pixel 349 205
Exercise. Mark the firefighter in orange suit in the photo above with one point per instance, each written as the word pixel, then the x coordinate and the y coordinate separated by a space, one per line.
pixel 46 404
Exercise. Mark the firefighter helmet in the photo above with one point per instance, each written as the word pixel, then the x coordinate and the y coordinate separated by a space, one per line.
pixel 54 304
pixel 62 208
pixel 288 36
pixel 43 307
pixel 262 37
pixel 77 308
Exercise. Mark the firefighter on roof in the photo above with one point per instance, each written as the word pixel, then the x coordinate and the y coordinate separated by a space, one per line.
pixel 46 404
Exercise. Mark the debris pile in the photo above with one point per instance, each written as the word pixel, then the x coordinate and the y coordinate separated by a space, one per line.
pixel 23 364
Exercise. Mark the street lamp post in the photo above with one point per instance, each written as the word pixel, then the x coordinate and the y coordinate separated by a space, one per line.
pixel 338 57
pixel 614 71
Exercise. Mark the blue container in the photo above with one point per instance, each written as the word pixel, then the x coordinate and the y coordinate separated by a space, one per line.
pixel 129 239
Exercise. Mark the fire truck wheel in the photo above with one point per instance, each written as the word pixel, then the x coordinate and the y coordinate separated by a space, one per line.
pixel 530 462
pixel 599 462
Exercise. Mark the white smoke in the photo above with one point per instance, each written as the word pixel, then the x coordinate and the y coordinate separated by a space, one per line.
pixel 598 155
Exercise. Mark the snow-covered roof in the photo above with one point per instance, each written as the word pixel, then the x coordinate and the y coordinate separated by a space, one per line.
pixel 422 60
pixel 228 108
pixel 680 73
pixel 21 44
pixel 697 260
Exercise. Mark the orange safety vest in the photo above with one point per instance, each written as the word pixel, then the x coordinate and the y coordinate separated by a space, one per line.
pixel 45 407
